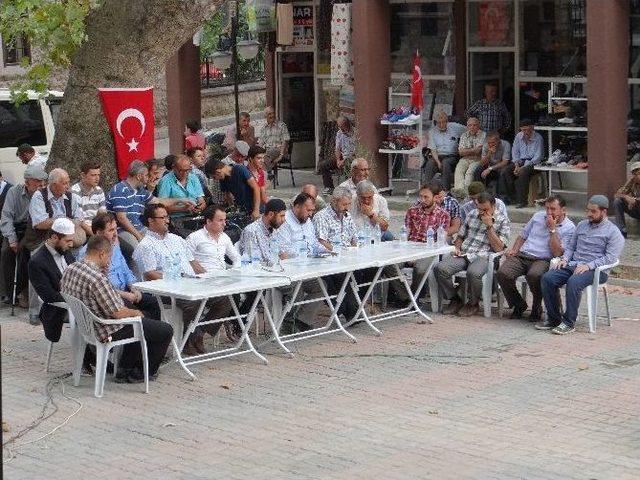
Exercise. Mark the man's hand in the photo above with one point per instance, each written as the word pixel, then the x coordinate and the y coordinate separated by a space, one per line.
pixel 128 296
pixel 557 266
pixel 366 209
pixel 487 220
pixel 137 295
pixel 485 173
pixel 630 200
pixel 580 269
pixel 551 222
pixel 14 247
pixel 255 214
pixel 512 252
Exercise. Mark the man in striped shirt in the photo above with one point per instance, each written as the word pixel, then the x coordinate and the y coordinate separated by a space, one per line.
pixel 92 199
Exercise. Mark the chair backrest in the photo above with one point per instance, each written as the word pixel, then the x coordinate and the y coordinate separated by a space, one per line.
pixel 84 318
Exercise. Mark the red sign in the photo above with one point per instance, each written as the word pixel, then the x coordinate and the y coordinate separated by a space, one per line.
pixel 129 113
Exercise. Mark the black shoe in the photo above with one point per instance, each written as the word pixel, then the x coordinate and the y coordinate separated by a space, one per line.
pixel 398 304
pixel 546 325
pixel 122 376
pixel 536 314
pixel 518 311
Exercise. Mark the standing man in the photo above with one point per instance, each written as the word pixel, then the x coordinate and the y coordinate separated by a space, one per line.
pixel 371 209
pixel 627 199
pixel 485 230
pixel 85 281
pixel 525 154
pixel 13 224
pixel 4 189
pixel 491 111
pixel 443 146
pixel 345 150
pixel 496 155
pixel 470 148
pixel 28 156
pixel 247 132
pixel 238 185
pixel 359 171
pixel 596 241
pixel 274 138
pixel 544 237
pixel 92 199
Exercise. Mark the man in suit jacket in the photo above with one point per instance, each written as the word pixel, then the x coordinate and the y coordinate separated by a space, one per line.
pixel 45 271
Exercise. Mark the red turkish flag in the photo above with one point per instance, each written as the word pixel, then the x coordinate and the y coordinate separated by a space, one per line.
pixel 129 113
pixel 417 84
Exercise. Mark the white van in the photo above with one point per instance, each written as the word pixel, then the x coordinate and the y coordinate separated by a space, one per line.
pixel 31 122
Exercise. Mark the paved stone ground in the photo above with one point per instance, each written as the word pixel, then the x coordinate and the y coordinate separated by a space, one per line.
pixel 462 398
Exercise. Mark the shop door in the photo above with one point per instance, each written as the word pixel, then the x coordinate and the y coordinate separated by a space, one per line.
pixel 296 104
pixel 492 67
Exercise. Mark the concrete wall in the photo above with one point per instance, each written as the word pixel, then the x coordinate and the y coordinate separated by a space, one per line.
pixel 217 102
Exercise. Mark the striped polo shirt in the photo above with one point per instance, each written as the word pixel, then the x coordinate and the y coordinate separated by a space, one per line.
pixel 91 201
pixel 124 198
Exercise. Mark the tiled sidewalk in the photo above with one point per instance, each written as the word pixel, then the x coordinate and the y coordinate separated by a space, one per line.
pixel 462 398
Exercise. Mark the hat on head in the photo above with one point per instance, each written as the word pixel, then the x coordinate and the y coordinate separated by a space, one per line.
pixel 599 200
pixel 63 226
pixel 635 166
pixel 475 188
pixel 242 147
pixel 36 172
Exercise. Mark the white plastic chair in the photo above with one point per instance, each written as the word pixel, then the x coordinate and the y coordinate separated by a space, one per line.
pixel 592 296
pixel 73 334
pixel 487 284
pixel 85 323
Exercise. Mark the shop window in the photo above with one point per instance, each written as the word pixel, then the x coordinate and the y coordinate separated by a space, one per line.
pixel 553 38
pixel 491 23
pixel 428 28
pixel 15 50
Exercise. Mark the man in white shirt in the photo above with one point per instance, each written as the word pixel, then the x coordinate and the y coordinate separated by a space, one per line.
pixel 28 155
pixel 210 244
pixel 359 171
pixel 92 198
pixel 371 209
pixel 149 257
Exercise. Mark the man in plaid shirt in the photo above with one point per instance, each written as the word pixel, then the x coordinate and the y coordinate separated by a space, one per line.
pixel 274 138
pixel 491 111
pixel 86 280
pixel 485 230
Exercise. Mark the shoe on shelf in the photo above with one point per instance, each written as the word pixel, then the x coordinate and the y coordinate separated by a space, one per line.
pixel 454 307
pixel 565 121
pixel 518 311
pixel 563 329
pixel 469 310
pixel 546 325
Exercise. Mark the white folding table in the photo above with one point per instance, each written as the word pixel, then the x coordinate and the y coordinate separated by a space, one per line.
pixel 220 284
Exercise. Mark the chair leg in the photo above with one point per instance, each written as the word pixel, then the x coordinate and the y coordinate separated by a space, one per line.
pixel 499 299
pixel 606 304
pixel 591 310
pixel 486 297
pixel 102 355
pixel 78 358
pixel 434 294
pixel 145 357
pixel 49 353
pixel 117 353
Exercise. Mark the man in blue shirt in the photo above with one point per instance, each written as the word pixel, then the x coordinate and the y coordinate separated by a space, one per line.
pixel 596 242
pixel 526 152
pixel 182 184
pixel 544 237
pixel 239 186
pixel 120 275
pixel 443 146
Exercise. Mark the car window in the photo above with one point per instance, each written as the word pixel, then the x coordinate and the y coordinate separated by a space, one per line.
pixel 21 124
pixel 54 106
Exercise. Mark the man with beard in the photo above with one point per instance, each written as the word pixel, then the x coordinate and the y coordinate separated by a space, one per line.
pixel 596 241
pixel 544 237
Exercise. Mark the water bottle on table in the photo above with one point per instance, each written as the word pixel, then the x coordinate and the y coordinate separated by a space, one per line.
pixel 377 235
pixel 361 238
pixel 177 266
pixel 442 236
pixel 336 244
pixel 430 238
pixel 404 235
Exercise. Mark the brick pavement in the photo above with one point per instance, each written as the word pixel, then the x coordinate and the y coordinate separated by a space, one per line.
pixel 462 398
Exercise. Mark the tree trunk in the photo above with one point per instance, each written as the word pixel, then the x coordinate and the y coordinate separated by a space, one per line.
pixel 128 45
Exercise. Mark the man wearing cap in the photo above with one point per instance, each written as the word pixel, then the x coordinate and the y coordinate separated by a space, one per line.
pixel 595 242
pixel 627 199
pixel 28 155
pixel 45 271
pixel 238 154
pixel 13 223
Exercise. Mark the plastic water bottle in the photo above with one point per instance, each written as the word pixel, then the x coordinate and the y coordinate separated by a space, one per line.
pixel 404 235
pixel 245 260
pixel 367 235
pixel 336 244
pixel 442 236
pixel 274 248
pixel 167 268
pixel 177 266
pixel 254 253
pixel 377 235
pixel 302 248
pixel 430 238
pixel 361 238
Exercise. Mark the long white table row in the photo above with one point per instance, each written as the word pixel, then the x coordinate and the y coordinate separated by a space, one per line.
pixel 294 272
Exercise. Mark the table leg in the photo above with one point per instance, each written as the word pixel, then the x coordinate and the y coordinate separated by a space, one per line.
pixel 251 316
pixel 414 295
pixel 339 299
pixel 171 320
pixel 279 316
pixel 361 303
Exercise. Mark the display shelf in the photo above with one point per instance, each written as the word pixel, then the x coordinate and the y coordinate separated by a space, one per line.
pixel 391 151
pixel 402 123
pixel 560 128
pixel 570 99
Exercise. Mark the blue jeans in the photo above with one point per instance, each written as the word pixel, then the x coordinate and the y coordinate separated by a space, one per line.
pixel 575 284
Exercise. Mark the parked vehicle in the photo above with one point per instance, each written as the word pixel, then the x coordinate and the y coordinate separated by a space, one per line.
pixel 31 122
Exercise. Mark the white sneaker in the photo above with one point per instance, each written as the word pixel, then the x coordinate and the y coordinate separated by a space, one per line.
pixel 565 120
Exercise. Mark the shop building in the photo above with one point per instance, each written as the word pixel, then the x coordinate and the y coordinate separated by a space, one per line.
pixel 586 52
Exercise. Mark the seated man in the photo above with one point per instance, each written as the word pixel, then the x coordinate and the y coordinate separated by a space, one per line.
pixel 596 241
pixel 344 151
pixel 193 138
pixel 239 187
pixel 247 132
pixel 13 224
pixel 182 184
pixel 334 224
pixel 91 195
pixel 85 281
pixel 156 170
pixel 371 209
pixel 150 256
pixel 544 237
pixel 627 199
pixel 443 145
pixel 469 149
pixel 119 274
pixel 485 230
pixel 311 190
pixel 449 204
pixel 359 171
pixel 274 138
pixel 471 202
pixel 526 153
pixel 127 200
pixel 496 155
pixel 238 154
pixel 210 244
pixel 255 164
pixel 298 227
